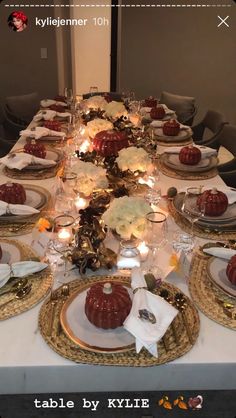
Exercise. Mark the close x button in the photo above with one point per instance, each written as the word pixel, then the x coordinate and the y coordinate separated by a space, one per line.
pixel 223 21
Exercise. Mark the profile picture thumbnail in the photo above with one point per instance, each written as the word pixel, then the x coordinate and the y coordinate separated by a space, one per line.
pixel 17 21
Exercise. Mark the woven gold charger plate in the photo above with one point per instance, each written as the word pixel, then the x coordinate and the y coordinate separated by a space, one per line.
pixel 206 295
pixel 185 225
pixel 32 174
pixel 41 283
pixel 173 144
pixel 168 348
pixel 25 225
pixel 186 176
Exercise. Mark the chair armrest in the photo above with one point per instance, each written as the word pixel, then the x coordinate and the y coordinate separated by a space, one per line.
pixel 229 177
pixel 198 131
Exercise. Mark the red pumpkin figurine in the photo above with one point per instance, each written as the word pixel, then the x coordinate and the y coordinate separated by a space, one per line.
pixel 13 193
pixel 171 128
pixel 107 305
pixel 190 155
pixel 212 202
pixel 157 112
pixel 110 142
pixel 36 149
pixel 231 270
pixel 150 102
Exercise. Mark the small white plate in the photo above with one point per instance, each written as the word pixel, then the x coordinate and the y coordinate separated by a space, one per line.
pixel 216 269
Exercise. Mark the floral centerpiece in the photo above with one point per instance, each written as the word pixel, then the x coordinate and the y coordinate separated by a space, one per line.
pixel 89 177
pixel 98 125
pixel 133 159
pixel 96 102
pixel 115 110
pixel 126 215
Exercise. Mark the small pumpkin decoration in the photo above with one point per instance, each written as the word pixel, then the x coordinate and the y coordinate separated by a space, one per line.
pixel 190 155
pixel 171 128
pixel 36 149
pixel 150 102
pixel 54 125
pixel 13 193
pixel 157 112
pixel 107 143
pixel 212 202
pixel 107 305
pixel 231 270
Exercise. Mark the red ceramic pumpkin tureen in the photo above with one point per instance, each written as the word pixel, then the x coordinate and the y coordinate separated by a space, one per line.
pixel 231 270
pixel 36 149
pixel 190 155
pixel 107 305
pixel 157 112
pixel 110 142
pixel 12 193
pixel 213 202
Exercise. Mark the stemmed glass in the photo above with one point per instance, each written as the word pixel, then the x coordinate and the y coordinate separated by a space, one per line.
pixel 93 90
pixel 63 241
pixel 190 209
pixel 68 93
pixel 156 238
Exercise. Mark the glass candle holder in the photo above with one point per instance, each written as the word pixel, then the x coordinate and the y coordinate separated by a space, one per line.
pixel 63 232
pixel 129 255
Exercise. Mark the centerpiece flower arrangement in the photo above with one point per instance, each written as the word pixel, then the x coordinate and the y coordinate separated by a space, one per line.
pixel 115 110
pixel 98 125
pixel 126 215
pixel 89 177
pixel 133 159
pixel 96 102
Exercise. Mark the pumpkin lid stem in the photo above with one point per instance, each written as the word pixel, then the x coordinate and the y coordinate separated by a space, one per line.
pixel 107 288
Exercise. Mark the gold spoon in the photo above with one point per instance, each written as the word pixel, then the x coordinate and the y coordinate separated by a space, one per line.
pixel 20 294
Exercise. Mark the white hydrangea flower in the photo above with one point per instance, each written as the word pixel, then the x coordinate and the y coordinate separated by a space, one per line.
pixel 96 102
pixel 126 215
pixel 98 125
pixel 89 177
pixel 115 110
pixel 133 159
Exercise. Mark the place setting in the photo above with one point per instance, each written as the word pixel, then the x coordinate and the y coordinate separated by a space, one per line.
pixel 20 207
pixel 212 282
pixel 156 112
pixel 24 280
pixel 34 161
pixel 191 162
pixel 136 331
pixel 171 133
pixel 206 212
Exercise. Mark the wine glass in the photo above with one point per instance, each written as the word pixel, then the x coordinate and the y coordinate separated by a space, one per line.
pixel 190 208
pixel 93 90
pixel 68 93
pixel 156 238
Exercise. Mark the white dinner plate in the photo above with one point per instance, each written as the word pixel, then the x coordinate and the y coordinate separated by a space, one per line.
pixel 216 269
pixel 183 135
pixel 172 161
pixel 78 328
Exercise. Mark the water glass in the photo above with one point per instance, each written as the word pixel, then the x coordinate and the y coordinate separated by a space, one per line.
pixel 93 90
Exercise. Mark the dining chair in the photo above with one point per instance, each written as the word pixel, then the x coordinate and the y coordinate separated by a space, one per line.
pixel 113 95
pixel 5 147
pixel 208 130
pixel 184 106
pixel 21 109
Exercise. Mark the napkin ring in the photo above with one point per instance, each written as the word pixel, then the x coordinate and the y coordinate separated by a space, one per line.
pixel 11 270
pixel 137 288
pixel 147 316
pixel 8 211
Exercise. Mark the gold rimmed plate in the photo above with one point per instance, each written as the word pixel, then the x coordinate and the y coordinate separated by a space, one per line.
pixel 37 197
pixel 172 161
pixel 51 154
pixel 78 328
pixel 216 271
pixel 183 135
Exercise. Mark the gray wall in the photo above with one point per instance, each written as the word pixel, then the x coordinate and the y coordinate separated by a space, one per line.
pixel 181 51
pixel 21 69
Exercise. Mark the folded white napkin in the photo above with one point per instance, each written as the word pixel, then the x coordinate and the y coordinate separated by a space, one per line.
pixel 8 208
pixel 146 333
pixel 19 269
pixel 40 131
pixel 44 115
pixel 220 252
pixel 206 151
pixel 230 193
pixel 49 102
pixel 21 160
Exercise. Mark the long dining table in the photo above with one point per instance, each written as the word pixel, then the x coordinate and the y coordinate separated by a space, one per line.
pixel 29 365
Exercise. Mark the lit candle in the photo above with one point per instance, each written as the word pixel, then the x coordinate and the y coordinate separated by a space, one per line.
pixel 84 147
pixel 80 203
pixel 143 249
pixel 64 235
pixel 149 181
